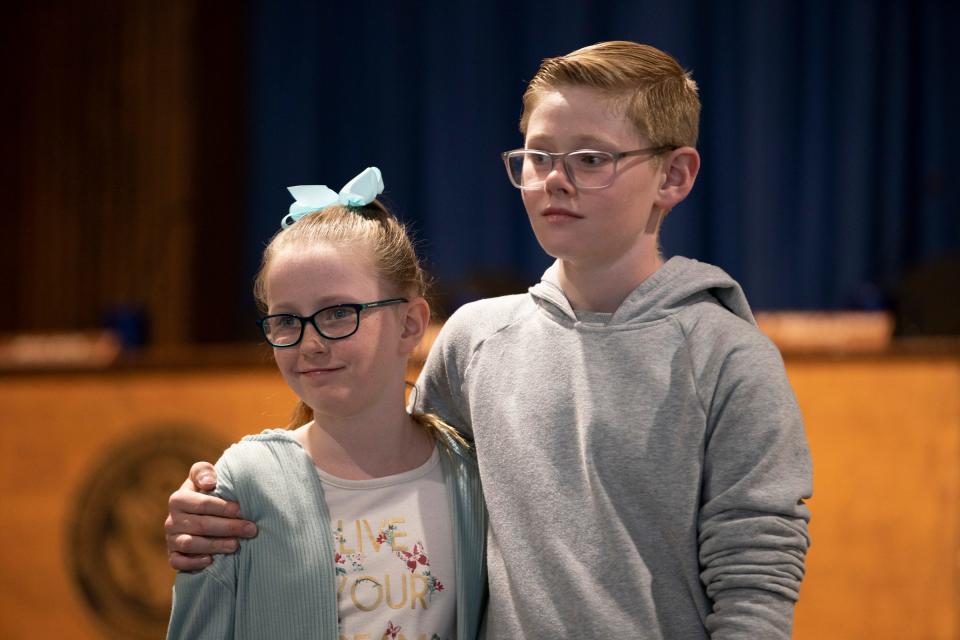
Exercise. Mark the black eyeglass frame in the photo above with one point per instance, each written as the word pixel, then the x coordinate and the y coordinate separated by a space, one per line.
pixel 356 307
pixel 562 156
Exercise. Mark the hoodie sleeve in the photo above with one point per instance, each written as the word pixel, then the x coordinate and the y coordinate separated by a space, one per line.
pixel 757 473
pixel 204 602
pixel 440 389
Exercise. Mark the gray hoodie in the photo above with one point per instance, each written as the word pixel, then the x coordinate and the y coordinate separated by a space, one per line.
pixel 644 471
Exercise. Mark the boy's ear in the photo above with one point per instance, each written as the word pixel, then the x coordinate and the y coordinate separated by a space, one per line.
pixel 415 320
pixel 678 173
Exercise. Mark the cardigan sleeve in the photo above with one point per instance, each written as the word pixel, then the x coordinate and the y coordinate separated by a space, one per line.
pixel 203 607
pixel 204 602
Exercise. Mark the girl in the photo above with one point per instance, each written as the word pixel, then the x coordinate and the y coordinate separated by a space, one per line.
pixel 371 520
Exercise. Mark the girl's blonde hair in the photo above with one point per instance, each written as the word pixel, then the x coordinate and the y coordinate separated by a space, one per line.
pixel 651 87
pixel 370 228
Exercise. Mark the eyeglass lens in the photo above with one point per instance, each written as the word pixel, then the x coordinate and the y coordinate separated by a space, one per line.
pixel 333 322
pixel 589 169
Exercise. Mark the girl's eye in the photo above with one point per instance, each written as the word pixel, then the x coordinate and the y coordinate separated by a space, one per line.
pixel 336 314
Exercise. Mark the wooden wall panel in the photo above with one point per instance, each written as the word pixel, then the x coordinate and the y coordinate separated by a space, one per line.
pixel 106 164
pixel 885 436
pixel 61 433
pixel 117 104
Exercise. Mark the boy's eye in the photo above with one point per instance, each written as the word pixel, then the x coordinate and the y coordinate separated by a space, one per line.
pixel 538 159
pixel 591 160
pixel 285 322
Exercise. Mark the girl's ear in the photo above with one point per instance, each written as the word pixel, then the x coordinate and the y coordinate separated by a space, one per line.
pixel 415 320
pixel 678 173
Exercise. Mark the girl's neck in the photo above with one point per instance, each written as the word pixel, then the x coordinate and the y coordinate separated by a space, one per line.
pixel 364 446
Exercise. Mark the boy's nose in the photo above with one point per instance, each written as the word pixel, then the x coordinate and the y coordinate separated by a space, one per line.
pixel 558 180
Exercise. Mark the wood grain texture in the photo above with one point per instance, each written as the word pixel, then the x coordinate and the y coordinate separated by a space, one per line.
pixel 885 438
pixel 124 161
pixel 884 432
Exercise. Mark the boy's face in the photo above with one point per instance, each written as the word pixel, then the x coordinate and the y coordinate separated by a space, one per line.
pixel 592 228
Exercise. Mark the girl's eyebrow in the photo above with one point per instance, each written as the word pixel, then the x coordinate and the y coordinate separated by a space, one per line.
pixel 316 305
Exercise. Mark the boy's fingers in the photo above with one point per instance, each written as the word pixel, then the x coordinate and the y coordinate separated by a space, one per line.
pixel 182 562
pixel 203 476
pixel 211 526
pixel 196 546
pixel 185 501
pixel 199 524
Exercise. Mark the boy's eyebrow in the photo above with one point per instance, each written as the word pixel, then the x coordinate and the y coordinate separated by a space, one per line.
pixel 583 141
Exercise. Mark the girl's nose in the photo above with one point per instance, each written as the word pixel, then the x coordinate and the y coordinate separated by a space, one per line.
pixel 312 340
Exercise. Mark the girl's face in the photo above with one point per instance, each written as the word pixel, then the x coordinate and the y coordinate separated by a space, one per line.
pixel 591 227
pixel 338 378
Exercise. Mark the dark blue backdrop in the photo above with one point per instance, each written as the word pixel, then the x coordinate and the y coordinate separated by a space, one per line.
pixel 828 132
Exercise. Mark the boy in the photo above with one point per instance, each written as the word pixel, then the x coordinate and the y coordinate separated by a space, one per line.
pixel 642 455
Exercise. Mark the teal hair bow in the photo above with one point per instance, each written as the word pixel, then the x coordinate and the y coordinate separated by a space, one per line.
pixel 360 191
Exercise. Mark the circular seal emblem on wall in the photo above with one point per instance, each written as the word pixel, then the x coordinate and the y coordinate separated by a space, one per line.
pixel 117 549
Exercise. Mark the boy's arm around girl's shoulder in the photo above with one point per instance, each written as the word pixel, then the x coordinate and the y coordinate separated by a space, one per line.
pixel 204 602
pixel 757 474
pixel 441 387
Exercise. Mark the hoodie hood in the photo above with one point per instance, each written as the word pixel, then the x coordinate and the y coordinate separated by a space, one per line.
pixel 675 285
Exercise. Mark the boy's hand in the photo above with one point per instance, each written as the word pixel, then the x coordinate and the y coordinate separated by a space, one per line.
pixel 199 524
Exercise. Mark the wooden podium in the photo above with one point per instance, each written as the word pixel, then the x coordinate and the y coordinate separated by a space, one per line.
pixel 91 454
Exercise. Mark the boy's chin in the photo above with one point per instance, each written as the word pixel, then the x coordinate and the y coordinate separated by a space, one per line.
pixel 556 249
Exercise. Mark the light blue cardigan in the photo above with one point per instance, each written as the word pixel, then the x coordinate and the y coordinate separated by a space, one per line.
pixel 282 584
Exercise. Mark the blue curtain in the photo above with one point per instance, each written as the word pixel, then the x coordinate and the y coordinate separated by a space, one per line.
pixel 828 131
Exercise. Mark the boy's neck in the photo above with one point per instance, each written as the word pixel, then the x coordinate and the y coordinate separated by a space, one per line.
pixel 602 287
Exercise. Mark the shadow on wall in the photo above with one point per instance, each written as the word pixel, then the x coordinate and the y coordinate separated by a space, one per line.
pixel 928 299
pixel 486 283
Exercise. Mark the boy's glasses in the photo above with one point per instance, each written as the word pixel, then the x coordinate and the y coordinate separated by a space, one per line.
pixel 585 168
pixel 333 323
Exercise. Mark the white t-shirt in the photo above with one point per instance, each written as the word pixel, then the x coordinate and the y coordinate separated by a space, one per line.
pixel 394 555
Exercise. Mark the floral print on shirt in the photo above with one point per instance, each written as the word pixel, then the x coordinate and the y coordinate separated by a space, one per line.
pixel 344 560
pixel 393 633
pixel 417 558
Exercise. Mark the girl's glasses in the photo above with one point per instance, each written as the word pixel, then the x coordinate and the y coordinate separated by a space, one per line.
pixel 333 323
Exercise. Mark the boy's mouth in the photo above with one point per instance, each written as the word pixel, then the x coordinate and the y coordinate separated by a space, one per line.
pixel 559 214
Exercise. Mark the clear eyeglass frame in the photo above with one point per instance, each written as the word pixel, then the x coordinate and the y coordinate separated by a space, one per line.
pixel 585 168
pixel 335 322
